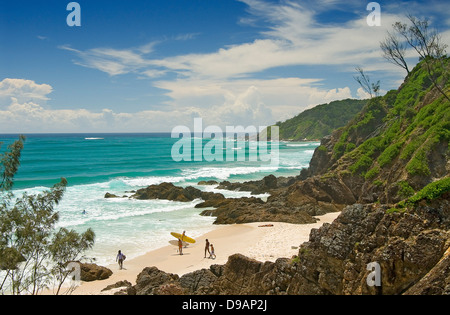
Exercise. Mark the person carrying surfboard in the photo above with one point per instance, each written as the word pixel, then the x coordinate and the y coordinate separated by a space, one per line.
pixel 120 258
pixel 184 238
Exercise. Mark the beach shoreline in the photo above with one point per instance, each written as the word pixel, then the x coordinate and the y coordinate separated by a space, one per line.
pixel 263 241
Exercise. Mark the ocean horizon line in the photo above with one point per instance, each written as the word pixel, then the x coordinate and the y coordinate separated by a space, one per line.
pixel 84 133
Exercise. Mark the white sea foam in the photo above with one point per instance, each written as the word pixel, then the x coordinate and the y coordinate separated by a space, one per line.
pixel 223 173
pixel 151 180
pixel 302 144
pixel 137 226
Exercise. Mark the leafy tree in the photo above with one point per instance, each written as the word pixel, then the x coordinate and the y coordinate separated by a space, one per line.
pixel 32 252
pixel 10 162
pixel 67 246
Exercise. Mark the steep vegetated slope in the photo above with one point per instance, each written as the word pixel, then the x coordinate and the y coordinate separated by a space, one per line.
pixel 317 122
pixel 397 145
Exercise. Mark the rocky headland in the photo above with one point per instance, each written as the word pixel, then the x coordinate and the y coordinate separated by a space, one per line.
pixel 387 171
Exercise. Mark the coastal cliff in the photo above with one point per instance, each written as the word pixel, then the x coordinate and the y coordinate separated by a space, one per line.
pixel 394 147
pixel 388 172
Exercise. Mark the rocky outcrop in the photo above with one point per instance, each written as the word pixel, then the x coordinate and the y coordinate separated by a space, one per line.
pixel 256 187
pixel 109 195
pixel 207 182
pixel 436 281
pixel 294 205
pixel 151 279
pixel 297 203
pixel 93 272
pixel 171 192
pixel 406 245
pixel 245 210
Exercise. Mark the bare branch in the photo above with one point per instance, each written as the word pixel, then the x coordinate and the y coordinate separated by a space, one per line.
pixel 394 51
pixel 372 89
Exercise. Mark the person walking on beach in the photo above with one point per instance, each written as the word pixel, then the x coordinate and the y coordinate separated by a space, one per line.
pixel 207 248
pixel 180 246
pixel 120 258
pixel 212 252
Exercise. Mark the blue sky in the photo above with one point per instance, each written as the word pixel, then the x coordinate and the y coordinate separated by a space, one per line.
pixel 147 66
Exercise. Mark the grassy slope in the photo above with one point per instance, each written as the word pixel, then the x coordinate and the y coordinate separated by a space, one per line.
pixel 321 120
pixel 397 140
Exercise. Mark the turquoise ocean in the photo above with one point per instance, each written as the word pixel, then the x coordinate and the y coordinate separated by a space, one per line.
pixel 95 164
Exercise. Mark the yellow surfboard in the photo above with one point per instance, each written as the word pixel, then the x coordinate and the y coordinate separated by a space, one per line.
pixel 184 239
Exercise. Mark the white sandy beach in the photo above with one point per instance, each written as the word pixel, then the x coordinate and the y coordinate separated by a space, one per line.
pixel 251 240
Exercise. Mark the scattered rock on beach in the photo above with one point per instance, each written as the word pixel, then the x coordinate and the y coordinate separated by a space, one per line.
pixel 120 288
pixel 93 272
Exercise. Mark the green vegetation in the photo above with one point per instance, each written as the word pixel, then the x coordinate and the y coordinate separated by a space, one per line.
pixel 403 127
pixel 363 126
pixel 295 260
pixel 390 154
pixel 431 191
pixel 362 165
pixel 372 173
pixel 378 182
pixel 315 123
pixel 418 165
pixel 33 253
pixel 405 189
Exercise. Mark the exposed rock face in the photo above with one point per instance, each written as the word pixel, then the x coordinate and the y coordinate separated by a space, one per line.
pixel 93 272
pixel 265 185
pixel 406 245
pixel 436 282
pixel 171 192
pixel 150 279
pixel 245 210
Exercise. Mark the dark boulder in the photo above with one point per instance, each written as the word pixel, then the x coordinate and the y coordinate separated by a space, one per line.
pixel 171 192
